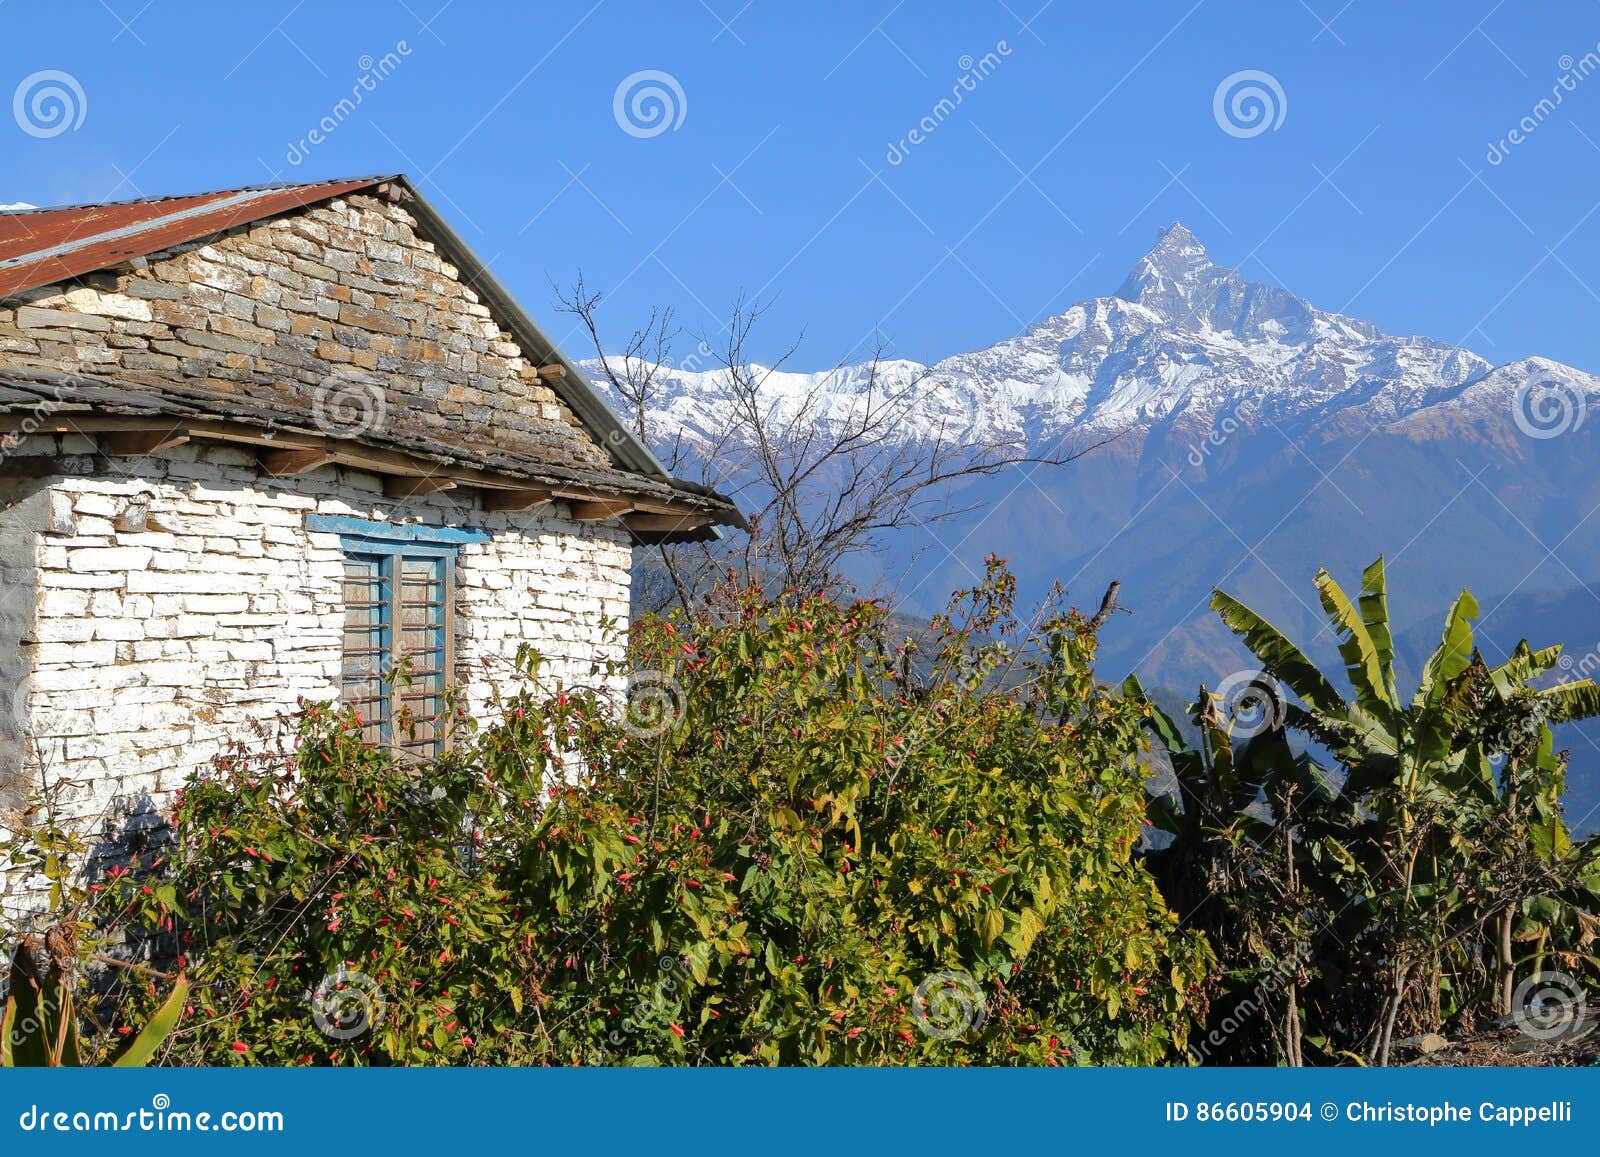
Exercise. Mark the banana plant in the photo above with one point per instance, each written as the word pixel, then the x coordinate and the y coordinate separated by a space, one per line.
pixel 1428 817
pixel 39 1025
pixel 1434 739
pixel 1223 793
pixel 1232 865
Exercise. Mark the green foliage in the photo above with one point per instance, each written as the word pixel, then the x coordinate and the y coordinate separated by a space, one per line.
pixel 39 1027
pixel 780 854
pixel 1385 896
pixel 52 988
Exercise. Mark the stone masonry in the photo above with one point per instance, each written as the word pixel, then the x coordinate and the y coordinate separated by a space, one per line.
pixel 284 310
pixel 171 608
pixel 153 609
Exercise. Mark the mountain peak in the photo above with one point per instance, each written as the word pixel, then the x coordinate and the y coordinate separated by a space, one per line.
pixel 1177 236
pixel 1174 267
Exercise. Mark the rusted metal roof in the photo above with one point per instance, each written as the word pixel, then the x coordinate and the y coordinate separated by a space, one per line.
pixel 44 246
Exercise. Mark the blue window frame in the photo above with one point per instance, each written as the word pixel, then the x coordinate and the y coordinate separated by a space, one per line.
pixel 398 594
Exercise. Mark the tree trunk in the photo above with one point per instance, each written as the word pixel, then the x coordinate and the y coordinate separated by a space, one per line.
pixel 1291 1018
pixel 1396 998
pixel 1508 964
pixel 1291 1029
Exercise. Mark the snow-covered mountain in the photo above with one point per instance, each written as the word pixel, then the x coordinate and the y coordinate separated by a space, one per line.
pixel 1184 347
pixel 1258 438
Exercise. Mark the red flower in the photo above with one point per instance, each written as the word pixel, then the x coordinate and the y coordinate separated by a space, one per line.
pixel 677 1029
pixel 240 1047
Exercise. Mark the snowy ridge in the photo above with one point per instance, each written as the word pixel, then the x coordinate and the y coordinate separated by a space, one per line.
pixel 1182 342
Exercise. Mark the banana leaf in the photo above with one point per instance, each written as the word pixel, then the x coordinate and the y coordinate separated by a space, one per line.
pixel 1453 653
pixel 1281 657
pixel 1363 663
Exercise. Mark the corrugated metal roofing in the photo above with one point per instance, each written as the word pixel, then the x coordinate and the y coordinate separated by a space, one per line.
pixel 43 246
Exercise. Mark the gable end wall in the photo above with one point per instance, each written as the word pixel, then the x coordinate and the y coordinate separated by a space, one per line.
pixel 295 310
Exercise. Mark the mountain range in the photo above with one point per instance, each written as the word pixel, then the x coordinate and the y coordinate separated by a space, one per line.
pixel 1242 438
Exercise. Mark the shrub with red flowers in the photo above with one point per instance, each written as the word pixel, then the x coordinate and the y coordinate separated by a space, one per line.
pixel 794 846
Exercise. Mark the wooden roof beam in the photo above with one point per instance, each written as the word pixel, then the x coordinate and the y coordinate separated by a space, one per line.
pixel 140 443
pixel 599 509
pixel 284 463
pixel 666 523
pixel 285 452
pixel 509 501
pixel 401 486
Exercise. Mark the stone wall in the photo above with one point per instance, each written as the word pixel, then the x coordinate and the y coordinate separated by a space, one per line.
pixel 172 606
pixel 152 609
pixel 295 310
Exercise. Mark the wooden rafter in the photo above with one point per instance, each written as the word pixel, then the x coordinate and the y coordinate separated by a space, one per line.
pixel 139 443
pixel 401 486
pixel 282 463
pixel 513 500
pixel 599 509
pixel 659 523
pixel 285 452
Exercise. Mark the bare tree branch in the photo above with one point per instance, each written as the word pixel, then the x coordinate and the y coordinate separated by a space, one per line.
pixel 827 474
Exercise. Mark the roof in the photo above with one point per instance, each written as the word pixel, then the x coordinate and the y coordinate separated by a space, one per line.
pixel 41 247
pixel 55 402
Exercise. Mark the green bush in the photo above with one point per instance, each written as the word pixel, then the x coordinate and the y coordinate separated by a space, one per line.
pixel 786 851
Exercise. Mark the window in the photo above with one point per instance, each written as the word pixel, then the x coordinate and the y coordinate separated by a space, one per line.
pixel 396 610
pixel 397 594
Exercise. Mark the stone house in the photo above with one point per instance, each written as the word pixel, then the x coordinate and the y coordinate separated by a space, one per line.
pixel 260 444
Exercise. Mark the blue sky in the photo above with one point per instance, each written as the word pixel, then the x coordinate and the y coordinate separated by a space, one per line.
pixel 1092 126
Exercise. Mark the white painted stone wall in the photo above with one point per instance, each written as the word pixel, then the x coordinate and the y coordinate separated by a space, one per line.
pixel 174 605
